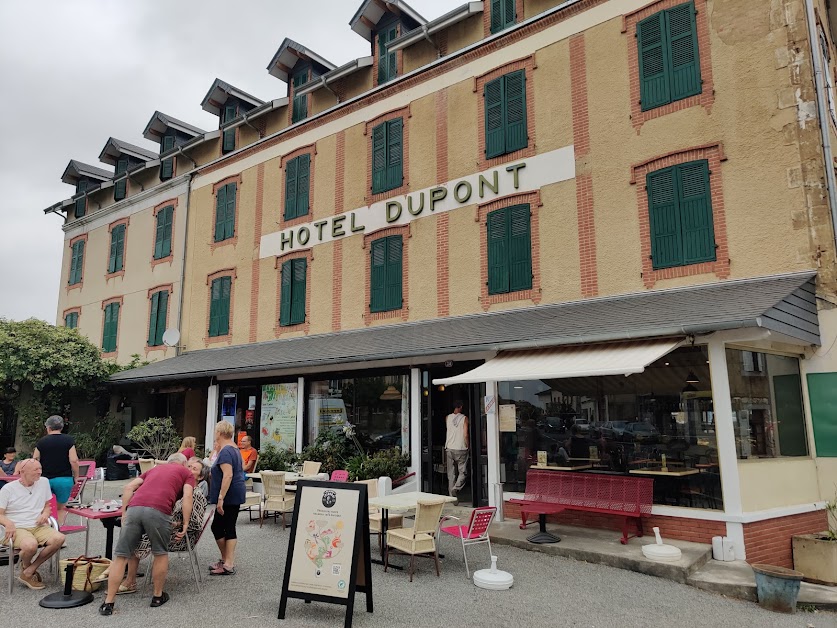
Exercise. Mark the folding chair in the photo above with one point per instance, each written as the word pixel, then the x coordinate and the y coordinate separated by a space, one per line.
pixel 87 468
pixel 77 491
pixel 474 533
pixel 191 551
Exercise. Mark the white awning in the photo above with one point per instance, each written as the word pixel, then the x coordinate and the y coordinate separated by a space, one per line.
pixel 624 358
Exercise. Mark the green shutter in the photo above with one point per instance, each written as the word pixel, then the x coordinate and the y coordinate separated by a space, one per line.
pixel 229 218
pixel 515 92
pixel 303 184
pixel 300 103
pixel 382 58
pixel 120 188
pixel 300 269
pixel 495 136
pixel 117 249
pixel 378 276
pixel 520 248
pixel 695 212
pixel 219 307
pixel 379 158
pixel 157 321
pixel 822 393
pixel 110 328
pixel 290 189
pixel 220 212
pixel 684 60
pixel 228 139
pixel 393 295
pixel 654 81
pixel 664 219
pixel 498 251
pixel 509 16
pixel 392 64
pixel 285 297
pixel 76 262
pixel 167 165
pixel 214 306
pixel 497 21
pixel 71 320
pixel 162 240
pixel 395 149
pixel 81 203
pixel 152 321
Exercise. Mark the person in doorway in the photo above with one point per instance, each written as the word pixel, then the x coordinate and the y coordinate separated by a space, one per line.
pixel 578 445
pixel 249 455
pixel 227 492
pixel 57 454
pixel 7 464
pixel 457 445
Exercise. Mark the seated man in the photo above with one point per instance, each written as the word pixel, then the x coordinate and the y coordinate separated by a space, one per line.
pixel 24 513
pixel 249 455
pixel 147 505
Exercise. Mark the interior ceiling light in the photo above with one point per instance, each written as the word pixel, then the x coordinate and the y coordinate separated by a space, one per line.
pixel 391 394
pixel 691 378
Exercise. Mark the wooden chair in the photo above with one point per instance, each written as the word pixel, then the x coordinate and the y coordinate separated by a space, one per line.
pixel 276 500
pixel 472 534
pixel 146 464
pixel 339 475
pixel 310 468
pixel 420 540
pixel 375 516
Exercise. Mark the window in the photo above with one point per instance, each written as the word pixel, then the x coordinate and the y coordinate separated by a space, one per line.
pixel 387 66
pixel 167 165
pixel 505 114
pixel 71 320
pixel 81 202
pixel 297 184
pixel 111 327
pixel 292 307
pixel 502 14
pixel 509 249
pixel 120 188
pixel 669 60
pixel 76 262
pixel 300 104
pixel 680 215
pixel 228 141
pixel 117 249
pixel 162 241
pixel 387 158
pixel 157 321
pixel 219 306
pixel 385 278
pixel 225 212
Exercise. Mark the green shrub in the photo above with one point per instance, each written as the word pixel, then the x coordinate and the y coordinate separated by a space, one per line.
pixel 30 419
pixel 388 462
pixel 94 443
pixel 273 459
pixel 157 436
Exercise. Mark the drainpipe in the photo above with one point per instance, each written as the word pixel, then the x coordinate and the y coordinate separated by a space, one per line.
pixel 325 84
pixel 247 122
pixel 822 112
pixel 180 152
pixel 128 178
pixel 177 348
pixel 432 43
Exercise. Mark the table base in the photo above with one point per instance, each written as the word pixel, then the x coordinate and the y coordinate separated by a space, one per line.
pixel 542 536
pixel 67 598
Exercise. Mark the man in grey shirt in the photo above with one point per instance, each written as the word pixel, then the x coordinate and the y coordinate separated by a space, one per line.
pixel 456 449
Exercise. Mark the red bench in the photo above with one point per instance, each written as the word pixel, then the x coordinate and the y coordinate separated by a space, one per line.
pixel 551 492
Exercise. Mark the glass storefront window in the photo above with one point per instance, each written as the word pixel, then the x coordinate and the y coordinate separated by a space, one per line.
pixel 660 423
pixel 767 412
pixel 378 407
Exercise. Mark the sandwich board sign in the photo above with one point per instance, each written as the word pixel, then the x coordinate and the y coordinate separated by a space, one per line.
pixel 328 550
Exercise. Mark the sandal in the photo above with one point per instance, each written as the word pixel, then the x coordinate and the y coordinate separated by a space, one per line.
pixel 159 600
pixel 106 609
pixel 123 589
pixel 217 565
pixel 222 571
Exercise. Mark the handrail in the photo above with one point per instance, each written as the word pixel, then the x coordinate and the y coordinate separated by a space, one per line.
pixel 403 479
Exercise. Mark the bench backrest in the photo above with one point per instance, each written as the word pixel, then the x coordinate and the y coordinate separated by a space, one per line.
pixel 616 493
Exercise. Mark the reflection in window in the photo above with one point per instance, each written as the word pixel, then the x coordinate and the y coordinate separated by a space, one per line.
pixel 767 410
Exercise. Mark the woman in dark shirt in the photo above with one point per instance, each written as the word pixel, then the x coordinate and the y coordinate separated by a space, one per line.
pixel 227 492
pixel 7 464
pixel 59 460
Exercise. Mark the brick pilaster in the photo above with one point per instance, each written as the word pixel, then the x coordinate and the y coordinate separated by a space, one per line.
pixel 337 263
pixel 442 220
pixel 257 237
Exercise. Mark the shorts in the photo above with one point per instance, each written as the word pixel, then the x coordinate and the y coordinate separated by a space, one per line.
pixel 61 488
pixel 223 526
pixel 144 520
pixel 41 534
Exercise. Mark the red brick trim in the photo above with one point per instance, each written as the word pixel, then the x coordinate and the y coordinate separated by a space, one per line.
pixel 151 292
pixel 311 149
pixel 71 310
pixel 170 257
pixel 527 64
pixel 122 221
pixel 486 16
pixel 770 541
pixel 399 56
pixel 256 264
pixel 120 300
pixel 337 248
pixel 404 113
pixel 442 220
pixel 233 240
pixel 714 153
pixel 534 293
pixel 707 96
pixel 404 311
pixel 304 326
pixel 227 272
pixel 80 284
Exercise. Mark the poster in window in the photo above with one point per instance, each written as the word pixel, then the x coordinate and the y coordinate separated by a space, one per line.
pixel 228 407
pixel 278 416
pixel 508 418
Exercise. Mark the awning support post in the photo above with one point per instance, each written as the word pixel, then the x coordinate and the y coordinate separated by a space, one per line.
pixel 495 489
pixel 415 425
pixel 300 412
pixel 211 415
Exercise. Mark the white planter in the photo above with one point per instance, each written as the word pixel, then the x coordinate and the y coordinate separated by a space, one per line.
pixel 816 558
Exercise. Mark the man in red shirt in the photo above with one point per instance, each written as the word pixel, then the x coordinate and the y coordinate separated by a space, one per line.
pixel 147 504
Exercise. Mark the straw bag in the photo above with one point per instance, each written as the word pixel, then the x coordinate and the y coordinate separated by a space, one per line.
pixel 88 571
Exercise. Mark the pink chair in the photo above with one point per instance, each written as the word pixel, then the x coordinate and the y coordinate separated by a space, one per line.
pixel 339 475
pixel 87 468
pixel 475 532
pixel 64 529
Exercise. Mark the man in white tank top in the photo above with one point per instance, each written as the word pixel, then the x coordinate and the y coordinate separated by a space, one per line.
pixel 456 449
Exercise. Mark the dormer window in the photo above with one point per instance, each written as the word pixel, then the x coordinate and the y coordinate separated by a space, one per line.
pixel 120 188
pixel 387 61
pixel 81 201
pixel 503 15
pixel 167 165
pixel 228 140
pixel 300 105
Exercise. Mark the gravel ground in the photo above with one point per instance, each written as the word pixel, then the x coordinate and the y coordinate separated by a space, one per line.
pixel 547 591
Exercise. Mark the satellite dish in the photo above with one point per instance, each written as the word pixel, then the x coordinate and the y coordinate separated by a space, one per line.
pixel 171 337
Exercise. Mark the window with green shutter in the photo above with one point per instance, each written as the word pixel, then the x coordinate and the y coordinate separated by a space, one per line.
pixel 292 306
pixel 300 104
pixel 120 188
pixel 110 328
pixel 387 61
pixel 387 155
pixel 225 212
pixel 162 238
pixel 228 139
pixel 157 321
pixel 503 14
pixel 76 263
pixel 81 202
pixel 505 114
pixel 167 165
pixel 71 320
pixel 117 249
pixel 669 59
pixel 297 185
pixel 385 274
pixel 680 215
pixel 219 306
pixel 509 249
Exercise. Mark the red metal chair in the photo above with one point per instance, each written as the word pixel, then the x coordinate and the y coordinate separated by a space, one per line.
pixel 339 475
pixel 474 533
pixel 64 529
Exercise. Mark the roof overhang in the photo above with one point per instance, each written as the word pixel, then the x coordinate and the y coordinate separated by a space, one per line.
pixel 160 123
pixel 434 26
pixel 337 73
pixel 371 11
pixel 220 92
pixel 76 169
pixel 115 148
pixel 785 304
pixel 287 56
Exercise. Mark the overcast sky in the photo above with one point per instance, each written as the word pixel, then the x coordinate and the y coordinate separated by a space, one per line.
pixel 74 73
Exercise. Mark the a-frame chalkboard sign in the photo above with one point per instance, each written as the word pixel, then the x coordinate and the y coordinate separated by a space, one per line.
pixel 328 552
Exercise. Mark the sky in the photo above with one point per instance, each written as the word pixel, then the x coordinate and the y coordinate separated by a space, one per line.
pixel 74 73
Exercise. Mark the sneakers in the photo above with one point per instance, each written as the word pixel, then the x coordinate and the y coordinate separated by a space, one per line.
pixel 33 581
pixel 455 494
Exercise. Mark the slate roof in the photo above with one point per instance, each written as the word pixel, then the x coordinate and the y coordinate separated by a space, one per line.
pixel 782 303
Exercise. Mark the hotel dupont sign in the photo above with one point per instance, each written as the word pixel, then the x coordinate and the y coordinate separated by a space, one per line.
pixel 479 188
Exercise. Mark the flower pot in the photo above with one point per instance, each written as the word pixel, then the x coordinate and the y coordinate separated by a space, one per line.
pixel 816 557
pixel 777 587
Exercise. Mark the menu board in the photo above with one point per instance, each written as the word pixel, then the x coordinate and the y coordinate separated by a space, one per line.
pixel 278 416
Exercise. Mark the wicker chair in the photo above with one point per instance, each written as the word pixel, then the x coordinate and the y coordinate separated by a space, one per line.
pixel 375 515
pixel 311 468
pixel 146 464
pixel 420 540
pixel 276 500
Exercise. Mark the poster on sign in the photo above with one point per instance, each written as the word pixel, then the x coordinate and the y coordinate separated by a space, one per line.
pixel 278 416
pixel 328 551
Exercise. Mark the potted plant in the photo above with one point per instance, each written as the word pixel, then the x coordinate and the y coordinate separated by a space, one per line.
pixel 157 436
pixel 815 555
